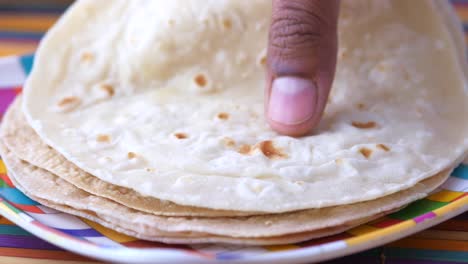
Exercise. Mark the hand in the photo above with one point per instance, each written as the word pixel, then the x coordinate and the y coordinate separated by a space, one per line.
pixel 301 63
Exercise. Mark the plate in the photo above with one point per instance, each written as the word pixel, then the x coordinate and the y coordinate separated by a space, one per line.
pixel 93 240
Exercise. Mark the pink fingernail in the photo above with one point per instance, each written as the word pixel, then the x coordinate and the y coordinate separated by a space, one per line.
pixel 292 100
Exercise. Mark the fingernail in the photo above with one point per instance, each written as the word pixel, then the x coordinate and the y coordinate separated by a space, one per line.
pixel 292 100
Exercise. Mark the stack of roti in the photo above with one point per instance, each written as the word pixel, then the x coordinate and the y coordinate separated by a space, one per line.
pixel 147 117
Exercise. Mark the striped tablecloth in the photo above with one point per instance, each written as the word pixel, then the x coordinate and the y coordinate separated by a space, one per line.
pixel 23 23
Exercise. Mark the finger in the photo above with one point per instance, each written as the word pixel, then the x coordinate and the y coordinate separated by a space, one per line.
pixel 301 63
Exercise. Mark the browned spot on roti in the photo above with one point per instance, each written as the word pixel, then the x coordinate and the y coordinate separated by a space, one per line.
pixel 223 116
pixel 383 147
pixel 87 56
pixel 131 155
pixel 363 125
pixel 227 23
pixel 200 80
pixel 339 161
pixel 181 135
pixel 269 150
pixel 365 152
pixel 69 103
pixel 109 89
pixel 229 142
pixel 103 138
pixel 245 149
pixel 361 106
pixel 263 60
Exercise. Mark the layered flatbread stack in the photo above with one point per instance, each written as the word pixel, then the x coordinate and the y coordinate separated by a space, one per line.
pixel 147 117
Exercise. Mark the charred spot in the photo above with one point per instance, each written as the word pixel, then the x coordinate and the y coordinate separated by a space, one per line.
pixel 87 56
pixel 70 100
pixel 365 152
pixel 181 135
pixel 383 147
pixel 245 149
pixel 200 80
pixel 361 106
pixel 227 23
pixel 103 138
pixel 109 89
pixel 229 142
pixel 223 116
pixel 270 151
pixel 364 125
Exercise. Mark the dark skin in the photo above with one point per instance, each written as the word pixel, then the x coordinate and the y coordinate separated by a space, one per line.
pixel 301 63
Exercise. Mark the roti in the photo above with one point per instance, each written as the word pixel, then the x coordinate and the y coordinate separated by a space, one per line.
pixel 41 184
pixel 166 98
pixel 23 141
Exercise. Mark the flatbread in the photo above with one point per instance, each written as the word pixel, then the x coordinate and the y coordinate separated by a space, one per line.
pixel 197 238
pixel 44 185
pixel 23 141
pixel 166 98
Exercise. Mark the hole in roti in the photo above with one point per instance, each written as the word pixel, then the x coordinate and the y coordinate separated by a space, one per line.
pixel 181 135
pixel 364 125
pixel 200 80
pixel 365 152
pixel 383 147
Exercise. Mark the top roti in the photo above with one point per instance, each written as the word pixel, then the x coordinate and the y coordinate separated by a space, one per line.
pixel 166 98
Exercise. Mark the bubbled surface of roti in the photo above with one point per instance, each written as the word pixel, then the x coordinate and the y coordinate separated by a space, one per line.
pixel 166 98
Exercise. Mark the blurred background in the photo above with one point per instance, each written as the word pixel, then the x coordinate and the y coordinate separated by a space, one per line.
pixel 23 22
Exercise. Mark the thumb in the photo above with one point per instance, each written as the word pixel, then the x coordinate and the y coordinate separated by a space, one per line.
pixel 301 63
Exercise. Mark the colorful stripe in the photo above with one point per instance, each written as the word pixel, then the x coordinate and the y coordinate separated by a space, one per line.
pixel 461 172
